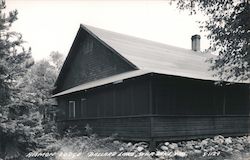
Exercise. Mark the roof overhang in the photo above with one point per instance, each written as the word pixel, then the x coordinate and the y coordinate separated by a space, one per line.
pixel 104 81
pixel 119 78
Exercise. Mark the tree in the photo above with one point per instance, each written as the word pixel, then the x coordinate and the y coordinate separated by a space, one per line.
pixel 14 58
pixel 38 85
pixel 228 27
pixel 56 59
pixel 17 123
pixel 24 91
pixel 39 82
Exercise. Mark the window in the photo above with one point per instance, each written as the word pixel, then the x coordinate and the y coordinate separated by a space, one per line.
pixel 83 107
pixel 87 45
pixel 72 109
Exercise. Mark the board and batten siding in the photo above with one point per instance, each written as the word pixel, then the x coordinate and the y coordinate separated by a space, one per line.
pixel 126 108
pixel 187 108
pixel 183 96
pixel 120 108
pixel 131 97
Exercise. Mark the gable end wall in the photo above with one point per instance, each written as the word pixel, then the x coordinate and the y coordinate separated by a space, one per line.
pixel 90 60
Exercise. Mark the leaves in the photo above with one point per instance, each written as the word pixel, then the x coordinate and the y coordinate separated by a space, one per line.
pixel 229 31
pixel 25 90
pixel 20 121
pixel 13 56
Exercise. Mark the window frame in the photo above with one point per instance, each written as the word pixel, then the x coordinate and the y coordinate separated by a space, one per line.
pixel 72 110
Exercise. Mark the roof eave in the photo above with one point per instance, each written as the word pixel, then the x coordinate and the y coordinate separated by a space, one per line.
pixel 102 82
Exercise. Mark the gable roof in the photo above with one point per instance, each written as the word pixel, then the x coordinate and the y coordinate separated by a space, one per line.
pixel 148 57
pixel 156 57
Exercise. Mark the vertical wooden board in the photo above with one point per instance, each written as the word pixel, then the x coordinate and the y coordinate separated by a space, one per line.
pixel 78 107
pixel 183 96
pixel 237 99
pixel 141 98
pixel 127 128
pixel 197 126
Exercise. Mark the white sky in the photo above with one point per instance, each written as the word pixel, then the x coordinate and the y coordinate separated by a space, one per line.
pixel 51 25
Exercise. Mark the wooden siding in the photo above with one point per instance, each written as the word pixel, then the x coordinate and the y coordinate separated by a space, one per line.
pixel 90 60
pixel 162 128
pixel 128 128
pixel 188 127
pixel 155 108
pixel 183 96
pixel 130 97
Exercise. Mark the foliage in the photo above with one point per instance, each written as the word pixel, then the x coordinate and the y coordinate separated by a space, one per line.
pixel 14 58
pixel 18 134
pixel 228 29
pixel 37 86
pixel 56 60
pixel 24 93
pixel 40 82
pixel 26 123
pixel 83 147
pixel 17 127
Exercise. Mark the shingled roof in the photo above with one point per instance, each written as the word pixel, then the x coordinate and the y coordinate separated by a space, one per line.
pixel 156 57
pixel 149 57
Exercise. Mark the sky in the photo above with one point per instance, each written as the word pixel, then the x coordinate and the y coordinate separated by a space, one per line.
pixel 51 25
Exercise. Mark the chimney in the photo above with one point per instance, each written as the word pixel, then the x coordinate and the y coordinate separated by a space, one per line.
pixel 196 42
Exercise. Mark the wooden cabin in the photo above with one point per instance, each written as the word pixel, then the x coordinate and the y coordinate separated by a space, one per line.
pixel 146 91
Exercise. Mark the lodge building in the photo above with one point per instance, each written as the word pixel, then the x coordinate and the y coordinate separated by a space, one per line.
pixel 144 90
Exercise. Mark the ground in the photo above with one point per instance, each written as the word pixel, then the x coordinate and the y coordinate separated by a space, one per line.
pixel 95 148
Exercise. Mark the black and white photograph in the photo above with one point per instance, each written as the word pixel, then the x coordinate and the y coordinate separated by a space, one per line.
pixel 124 80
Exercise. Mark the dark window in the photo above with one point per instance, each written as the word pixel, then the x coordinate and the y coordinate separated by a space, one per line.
pixel 72 109
pixel 83 107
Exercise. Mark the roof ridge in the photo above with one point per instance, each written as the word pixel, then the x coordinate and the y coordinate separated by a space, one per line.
pixel 155 56
pixel 143 39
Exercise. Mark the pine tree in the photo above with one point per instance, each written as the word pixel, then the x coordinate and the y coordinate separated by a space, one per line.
pixel 25 90
pixel 14 58
pixel 17 123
